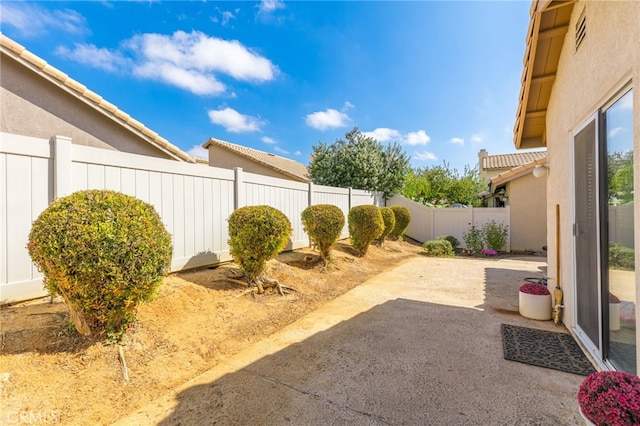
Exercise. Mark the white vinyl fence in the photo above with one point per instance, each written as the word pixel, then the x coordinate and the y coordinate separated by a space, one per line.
pixel 194 201
pixel 621 224
pixel 429 223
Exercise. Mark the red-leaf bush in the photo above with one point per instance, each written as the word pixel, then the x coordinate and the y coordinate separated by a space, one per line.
pixel 611 398
pixel 532 288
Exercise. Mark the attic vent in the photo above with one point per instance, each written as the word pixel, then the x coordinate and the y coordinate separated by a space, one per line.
pixel 581 29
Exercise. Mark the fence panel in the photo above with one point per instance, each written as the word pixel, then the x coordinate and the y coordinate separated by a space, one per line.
pixel 193 201
pixel 428 223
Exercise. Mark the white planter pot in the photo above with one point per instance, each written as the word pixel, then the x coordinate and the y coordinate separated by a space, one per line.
pixel 614 316
pixel 586 420
pixel 535 306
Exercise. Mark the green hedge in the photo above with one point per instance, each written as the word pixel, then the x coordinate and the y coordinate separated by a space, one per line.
pixel 256 235
pixel 323 223
pixel 104 252
pixel 437 248
pixel 389 220
pixel 365 225
pixel 403 218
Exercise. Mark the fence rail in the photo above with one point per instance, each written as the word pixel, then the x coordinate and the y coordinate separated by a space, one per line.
pixel 193 201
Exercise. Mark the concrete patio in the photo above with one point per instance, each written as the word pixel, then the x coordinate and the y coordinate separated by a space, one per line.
pixel 416 345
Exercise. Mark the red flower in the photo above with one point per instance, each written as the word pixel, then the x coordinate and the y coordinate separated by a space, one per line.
pixel 611 398
pixel 532 288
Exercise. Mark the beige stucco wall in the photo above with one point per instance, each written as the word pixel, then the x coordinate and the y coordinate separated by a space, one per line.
pixel 33 106
pixel 221 157
pixel 608 59
pixel 528 202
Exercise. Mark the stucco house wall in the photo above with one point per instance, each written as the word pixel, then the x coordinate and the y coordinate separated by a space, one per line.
pixel 528 202
pixel 223 158
pixel 607 60
pixel 34 103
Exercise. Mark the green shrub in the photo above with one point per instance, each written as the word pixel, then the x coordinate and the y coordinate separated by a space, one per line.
pixel 403 218
pixel 452 240
pixel 389 220
pixel 323 223
pixel 104 252
pixel 621 257
pixel 365 225
pixel 437 248
pixel 473 239
pixel 256 235
pixel 495 235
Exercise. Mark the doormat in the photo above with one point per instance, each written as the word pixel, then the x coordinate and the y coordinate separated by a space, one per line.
pixel 548 349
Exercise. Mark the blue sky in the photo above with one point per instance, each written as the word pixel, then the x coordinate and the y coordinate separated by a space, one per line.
pixel 440 77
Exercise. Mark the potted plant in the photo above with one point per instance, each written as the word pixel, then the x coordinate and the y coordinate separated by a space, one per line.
pixel 610 398
pixel 535 301
pixel 614 312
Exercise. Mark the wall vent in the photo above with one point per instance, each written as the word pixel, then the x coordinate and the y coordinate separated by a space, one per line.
pixel 581 29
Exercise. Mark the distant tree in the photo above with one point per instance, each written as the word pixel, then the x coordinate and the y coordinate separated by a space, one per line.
pixel 443 186
pixel 620 173
pixel 359 162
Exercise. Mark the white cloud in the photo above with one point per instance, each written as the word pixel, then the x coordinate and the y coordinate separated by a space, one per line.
pixel 95 57
pixel 193 81
pixel 226 17
pixel 457 141
pixel 269 6
pixel 198 52
pixel 190 61
pixel 297 153
pixel 198 152
pixel 235 122
pixel 347 105
pixel 477 137
pixel 626 102
pixel 424 156
pixel 417 138
pixel 616 131
pixel 267 139
pixel 280 150
pixel 329 119
pixel 384 134
pixel 31 19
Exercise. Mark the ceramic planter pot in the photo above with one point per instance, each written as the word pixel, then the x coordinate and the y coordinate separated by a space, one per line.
pixel 535 306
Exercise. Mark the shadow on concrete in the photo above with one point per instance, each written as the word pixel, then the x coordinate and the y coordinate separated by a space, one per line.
pixel 401 362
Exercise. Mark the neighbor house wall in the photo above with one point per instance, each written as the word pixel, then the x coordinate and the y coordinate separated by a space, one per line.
pixel 33 106
pixel 220 157
pixel 607 60
pixel 528 202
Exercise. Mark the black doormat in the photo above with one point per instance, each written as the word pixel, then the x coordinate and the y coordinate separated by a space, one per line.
pixel 542 348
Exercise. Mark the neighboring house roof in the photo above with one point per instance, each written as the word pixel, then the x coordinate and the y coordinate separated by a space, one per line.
pixel 518 171
pixel 508 161
pixel 295 170
pixel 545 37
pixel 92 99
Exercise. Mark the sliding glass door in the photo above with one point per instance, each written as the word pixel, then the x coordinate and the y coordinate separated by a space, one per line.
pixel 604 234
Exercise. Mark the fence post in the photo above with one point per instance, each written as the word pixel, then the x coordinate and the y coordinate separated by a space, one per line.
pixel 350 200
pixel 62 166
pixel 310 202
pixel 507 222
pixel 239 197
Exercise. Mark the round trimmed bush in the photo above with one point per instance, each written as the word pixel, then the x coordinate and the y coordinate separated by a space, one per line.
pixel 437 248
pixel 389 220
pixel 365 225
pixel 257 234
pixel 104 252
pixel 323 223
pixel 403 218
pixel 452 240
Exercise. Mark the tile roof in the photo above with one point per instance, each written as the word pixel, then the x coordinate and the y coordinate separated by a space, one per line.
pixel 508 161
pixel 60 79
pixel 518 171
pixel 295 170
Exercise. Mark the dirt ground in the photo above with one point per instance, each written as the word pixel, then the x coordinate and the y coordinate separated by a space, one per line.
pixel 49 374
